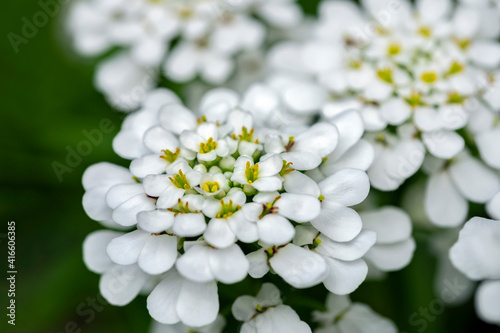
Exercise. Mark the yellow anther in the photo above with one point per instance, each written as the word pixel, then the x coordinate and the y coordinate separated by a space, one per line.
pixel 180 180
pixel 211 187
pixel 206 147
pixel 385 74
pixel 169 156
pixel 321 197
pixel 429 77
pixel 455 68
pixel 393 49
pixel 425 31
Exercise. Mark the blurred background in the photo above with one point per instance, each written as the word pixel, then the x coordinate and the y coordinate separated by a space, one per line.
pixel 50 103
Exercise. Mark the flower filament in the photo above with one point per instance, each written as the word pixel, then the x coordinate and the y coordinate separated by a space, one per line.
pixel 269 208
pixel 183 208
pixel 385 74
pixel 169 156
pixel 208 146
pixel 290 144
pixel 251 172
pixel 227 209
pixel 245 135
pixel 286 169
pixel 180 180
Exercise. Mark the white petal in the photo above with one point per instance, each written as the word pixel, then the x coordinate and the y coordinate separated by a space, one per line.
pixel 189 225
pixel 487 142
pixel 298 183
pixel 120 193
pixel 299 267
pixel 360 156
pixel 244 307
pixel 474 180
pixel 302 160
pixel 148 165
pixel 169 197
pixel 126 213
pixel 275 230
pixel 361 318
pixel 154 185
pixel 493 207
pixel 344 276
pixel 488 301
pixel 395 111
pixel 121 284
pixel 347 251
pixel 298 207
pixel 95 256
pixel 95 206
pixel 258 264
pixel 162 302
pixel 347 187
pixel 485 54
pixel 268 184
pixel 182 63
pixel 392 257
pixel 158 254
pixel 445 206
pixel 321 139
pixel 219 233
pixel 270 166
pixel 157 139
pixel 350 127
pixel 194 264
pixel 125 250
pixel 198 303
pixel 176 118
pixel 229 265
pixel 338 222
pixel 392 224
pixel 104 173
pixel 305 98
pixel 477 250
pixel 443 144
pixel 155 220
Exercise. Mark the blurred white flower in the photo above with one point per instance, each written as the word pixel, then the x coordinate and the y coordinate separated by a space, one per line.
pixel 476 255
pixel 344 316
pixel 266 313
pixel 215 327
pixel 394 247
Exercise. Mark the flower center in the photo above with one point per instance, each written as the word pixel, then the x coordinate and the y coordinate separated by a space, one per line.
pixel 425 31
pixel 393 49
pixel 414 100
pixel 385 74
pixel 180 180
pixel 251 172
pixel 455 98
pixel 208 146
pixel 286 169
pixel 455 68
pixel 290 144
pixel 245 135
pixel 269 208
pixel 183 208
pixel 429 77
pixel 227 209
pixel 211 187
pixel 169 156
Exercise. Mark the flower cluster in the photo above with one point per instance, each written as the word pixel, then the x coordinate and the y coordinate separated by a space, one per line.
pixel 415 75
pixel 214 198
pixel 205 35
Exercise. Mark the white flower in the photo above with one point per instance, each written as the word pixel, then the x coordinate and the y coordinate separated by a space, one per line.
pixel 215 327
pixel 119 284
pixel 475 254
pixel 452 184
pixel 344 316
pixel 176 299
pixel 170 188
pixel 266 313
pixel 202 263
pixel 307 150
pixel 262 176
pixel 394 247
pixel 123 82
pixel 205 142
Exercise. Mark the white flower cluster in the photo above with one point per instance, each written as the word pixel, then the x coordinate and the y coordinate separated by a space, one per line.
pixel 204 36
pixel 415 75
pixel 214 198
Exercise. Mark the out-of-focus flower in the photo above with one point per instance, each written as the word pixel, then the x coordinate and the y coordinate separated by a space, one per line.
pixel 344 316
pixel 476 255
pixel 267 313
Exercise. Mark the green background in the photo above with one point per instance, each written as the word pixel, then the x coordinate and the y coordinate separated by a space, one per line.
pixel 48 100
